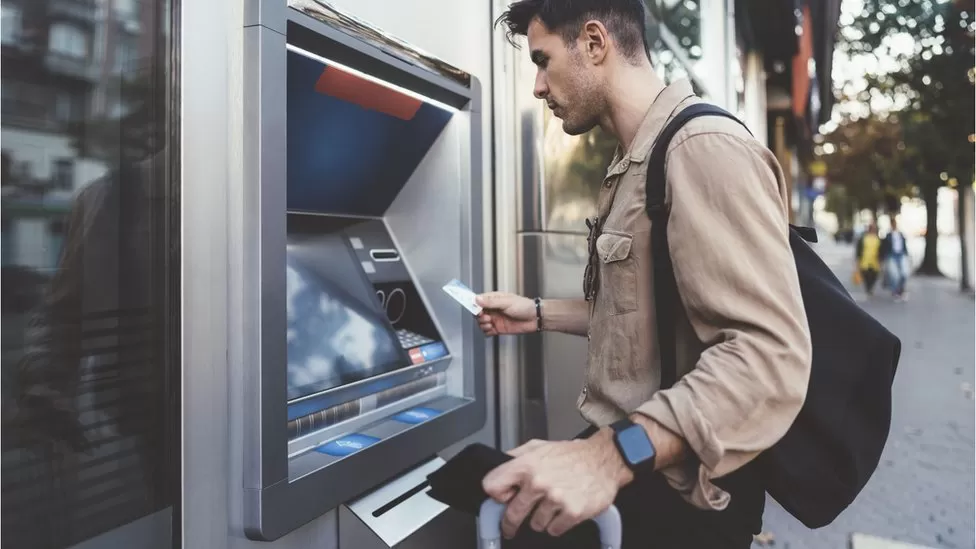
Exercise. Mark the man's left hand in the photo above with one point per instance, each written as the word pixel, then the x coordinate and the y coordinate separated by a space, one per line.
pixel 567 482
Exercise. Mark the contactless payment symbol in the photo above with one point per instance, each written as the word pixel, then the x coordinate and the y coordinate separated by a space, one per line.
pixel 416 415
pixel 348 444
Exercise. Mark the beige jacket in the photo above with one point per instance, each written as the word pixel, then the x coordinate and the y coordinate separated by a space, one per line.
pixel 743 346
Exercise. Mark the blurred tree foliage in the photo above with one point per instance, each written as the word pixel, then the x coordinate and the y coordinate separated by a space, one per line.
pixel 683 19
pixel 867 160
pixel 916 136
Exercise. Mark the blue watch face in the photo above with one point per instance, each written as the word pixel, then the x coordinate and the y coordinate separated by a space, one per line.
pixel 635 445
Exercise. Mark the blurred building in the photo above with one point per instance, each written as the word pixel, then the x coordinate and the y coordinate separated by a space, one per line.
pixel 790 45
pixel 64 67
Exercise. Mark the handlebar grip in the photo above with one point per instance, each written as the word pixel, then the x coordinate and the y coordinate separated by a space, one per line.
pixel 490 526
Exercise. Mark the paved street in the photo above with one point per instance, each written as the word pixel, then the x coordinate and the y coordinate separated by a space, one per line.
pixel 923 491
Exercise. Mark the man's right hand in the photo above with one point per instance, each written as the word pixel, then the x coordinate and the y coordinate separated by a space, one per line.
pixel 506 314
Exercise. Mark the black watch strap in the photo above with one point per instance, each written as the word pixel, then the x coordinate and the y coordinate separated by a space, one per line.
pixel 621 424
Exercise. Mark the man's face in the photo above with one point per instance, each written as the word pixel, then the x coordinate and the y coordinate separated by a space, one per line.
pixel 564 79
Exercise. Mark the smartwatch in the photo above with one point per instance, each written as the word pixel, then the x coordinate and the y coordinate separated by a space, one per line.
pixel 634 445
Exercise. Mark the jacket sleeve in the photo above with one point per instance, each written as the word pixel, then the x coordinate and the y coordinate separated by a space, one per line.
pixel 729 243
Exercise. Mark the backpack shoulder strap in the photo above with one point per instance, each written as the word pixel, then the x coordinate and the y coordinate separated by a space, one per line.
pixel 666 299
pixel 656 183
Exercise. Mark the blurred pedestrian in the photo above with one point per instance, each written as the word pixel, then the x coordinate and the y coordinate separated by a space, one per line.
pixel 869 258
pixel 894 252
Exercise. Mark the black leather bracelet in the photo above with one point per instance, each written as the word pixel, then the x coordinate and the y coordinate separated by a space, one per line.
pixel 538 314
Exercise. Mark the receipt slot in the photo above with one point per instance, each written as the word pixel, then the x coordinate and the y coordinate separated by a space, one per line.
pixel 360 367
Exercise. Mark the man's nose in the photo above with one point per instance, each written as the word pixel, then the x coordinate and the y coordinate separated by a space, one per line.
pixel 541 89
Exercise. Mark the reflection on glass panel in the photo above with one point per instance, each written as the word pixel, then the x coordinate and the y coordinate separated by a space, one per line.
pixel 90 274
pixel 575 166
pixel 669 68
pixel 682 18
pixel 738 65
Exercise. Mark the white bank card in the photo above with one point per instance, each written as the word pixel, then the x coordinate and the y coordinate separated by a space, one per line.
pixel 463 295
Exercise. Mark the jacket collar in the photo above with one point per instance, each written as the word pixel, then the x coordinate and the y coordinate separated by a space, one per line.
pixel 659 113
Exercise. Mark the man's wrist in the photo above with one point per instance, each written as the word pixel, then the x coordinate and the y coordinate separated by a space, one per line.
pixel 614 463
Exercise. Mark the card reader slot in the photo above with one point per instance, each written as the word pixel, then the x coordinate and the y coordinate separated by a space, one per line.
pixel 384 255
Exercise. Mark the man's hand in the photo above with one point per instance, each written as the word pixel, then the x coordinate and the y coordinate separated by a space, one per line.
pixel 567 482
pixel 506 314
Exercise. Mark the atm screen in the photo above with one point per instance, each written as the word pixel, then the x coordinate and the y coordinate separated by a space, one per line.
pixel 337 334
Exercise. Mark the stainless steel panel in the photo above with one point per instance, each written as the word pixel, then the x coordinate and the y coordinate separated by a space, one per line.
pixel 528 142
pixel 371 53
pixel 400 514
pixel 267 13
pixel 449 530
pixel 432 203
pixel 506 209
pixel 206 112
pixel 407 516
pixel 574 167
pixel 391 45
pixel 552 363
pixel 263 247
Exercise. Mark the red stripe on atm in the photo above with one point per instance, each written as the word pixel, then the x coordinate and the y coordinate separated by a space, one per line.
pixel 368 95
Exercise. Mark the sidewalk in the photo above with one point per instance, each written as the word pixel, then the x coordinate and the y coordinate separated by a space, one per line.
pixel 923 490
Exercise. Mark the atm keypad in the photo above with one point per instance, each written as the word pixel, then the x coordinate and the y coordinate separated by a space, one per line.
pixel 409 340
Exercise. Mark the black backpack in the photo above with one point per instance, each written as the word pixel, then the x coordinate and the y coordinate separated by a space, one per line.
pixel 828 454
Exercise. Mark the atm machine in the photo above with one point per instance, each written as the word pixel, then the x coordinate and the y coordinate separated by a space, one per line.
pixel 362 188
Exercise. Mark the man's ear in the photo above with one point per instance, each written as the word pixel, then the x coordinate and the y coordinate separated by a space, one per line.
pixel 595 41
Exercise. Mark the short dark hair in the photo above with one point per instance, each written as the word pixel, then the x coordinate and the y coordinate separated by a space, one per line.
pixel 624 20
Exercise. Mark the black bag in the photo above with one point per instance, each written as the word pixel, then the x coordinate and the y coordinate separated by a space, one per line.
pixel 827 456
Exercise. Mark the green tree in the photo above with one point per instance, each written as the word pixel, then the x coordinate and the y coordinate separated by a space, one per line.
pixel 924 58
pixel 867 158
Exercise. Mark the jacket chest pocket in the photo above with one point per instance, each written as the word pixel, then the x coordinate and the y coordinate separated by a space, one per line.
pixel 618 271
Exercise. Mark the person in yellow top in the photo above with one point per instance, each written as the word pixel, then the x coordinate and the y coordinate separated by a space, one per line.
pixel 869 257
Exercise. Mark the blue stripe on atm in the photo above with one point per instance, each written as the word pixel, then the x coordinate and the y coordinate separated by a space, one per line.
pixel 346 445
pixel 414 416
pixel 433 351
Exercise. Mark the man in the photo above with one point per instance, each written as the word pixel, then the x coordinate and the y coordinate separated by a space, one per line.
pixel 895 252
pixel 743 342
